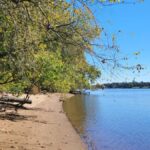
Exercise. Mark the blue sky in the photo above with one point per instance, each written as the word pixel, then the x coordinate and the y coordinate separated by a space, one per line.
pixel 134 23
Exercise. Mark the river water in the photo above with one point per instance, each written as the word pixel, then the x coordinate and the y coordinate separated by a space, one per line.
pixel 112 119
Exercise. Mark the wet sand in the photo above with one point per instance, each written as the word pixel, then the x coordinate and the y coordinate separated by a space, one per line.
pixel 44 126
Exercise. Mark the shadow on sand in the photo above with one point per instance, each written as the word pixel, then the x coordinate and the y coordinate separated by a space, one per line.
pixel 16 117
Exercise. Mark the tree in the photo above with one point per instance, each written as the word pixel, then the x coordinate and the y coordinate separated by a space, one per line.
pixel 29 28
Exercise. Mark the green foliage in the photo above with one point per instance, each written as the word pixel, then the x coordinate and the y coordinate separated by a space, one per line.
pixel 132 84
pixel 44 43
pixel 57 73
pixel 40 43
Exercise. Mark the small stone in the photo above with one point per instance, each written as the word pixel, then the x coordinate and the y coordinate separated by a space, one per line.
pixel 12 146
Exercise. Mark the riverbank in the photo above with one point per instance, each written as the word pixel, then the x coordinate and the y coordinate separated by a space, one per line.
pixel 43 126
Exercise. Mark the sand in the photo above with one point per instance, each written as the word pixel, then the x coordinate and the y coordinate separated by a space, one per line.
pixel 44 126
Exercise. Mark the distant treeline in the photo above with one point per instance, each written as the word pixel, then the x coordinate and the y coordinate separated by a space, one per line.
pixel 123 85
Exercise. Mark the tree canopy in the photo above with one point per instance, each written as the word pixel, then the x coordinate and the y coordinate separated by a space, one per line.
pixel 43 43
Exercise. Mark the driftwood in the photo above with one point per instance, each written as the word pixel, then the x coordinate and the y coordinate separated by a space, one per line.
pixel 80 92
pixel 13 99
pixel 7 102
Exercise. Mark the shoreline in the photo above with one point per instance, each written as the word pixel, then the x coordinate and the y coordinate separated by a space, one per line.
pixel 44 126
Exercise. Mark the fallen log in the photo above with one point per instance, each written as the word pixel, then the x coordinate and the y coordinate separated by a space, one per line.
pixel 9 104
pixel 13 99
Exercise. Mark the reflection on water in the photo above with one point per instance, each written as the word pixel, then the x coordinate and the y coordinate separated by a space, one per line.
pixel 75 110
pixel 112 119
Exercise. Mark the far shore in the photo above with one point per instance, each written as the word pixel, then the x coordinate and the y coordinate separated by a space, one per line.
pixel 43 126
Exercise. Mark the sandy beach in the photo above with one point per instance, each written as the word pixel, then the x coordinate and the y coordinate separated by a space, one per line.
pixel 43 126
